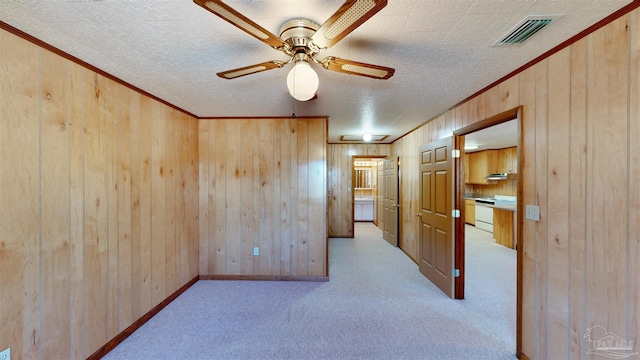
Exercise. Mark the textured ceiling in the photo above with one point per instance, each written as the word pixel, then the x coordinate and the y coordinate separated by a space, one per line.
pixel 441 50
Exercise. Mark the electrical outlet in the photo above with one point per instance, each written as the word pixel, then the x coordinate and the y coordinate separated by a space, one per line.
pixel 256 251
pixel 532 212
pixel 5 354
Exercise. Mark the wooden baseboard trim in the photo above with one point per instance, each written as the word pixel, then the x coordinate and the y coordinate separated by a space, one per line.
pixel 522 356
pixel 138 323
pixel 409 255
pixel 341 237
pixel 265 278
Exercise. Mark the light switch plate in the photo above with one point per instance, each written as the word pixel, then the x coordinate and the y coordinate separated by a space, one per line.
pixel 532 212
pixel 5 354
pixel 256 251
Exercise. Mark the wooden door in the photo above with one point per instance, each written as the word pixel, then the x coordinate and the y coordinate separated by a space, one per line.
pixel 390 201
pixel 436 247
pixel 379 194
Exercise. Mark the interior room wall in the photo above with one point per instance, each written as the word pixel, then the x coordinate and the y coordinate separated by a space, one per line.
pixel 263 185
pixel 581 119
pixel 97 183
pixel 340 181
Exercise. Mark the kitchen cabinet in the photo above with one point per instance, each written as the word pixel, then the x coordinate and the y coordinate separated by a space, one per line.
pixel 504 227
pixel 481 164
pixel 470 211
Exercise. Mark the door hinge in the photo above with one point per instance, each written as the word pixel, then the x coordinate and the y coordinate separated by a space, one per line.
pixel 455 213
pixel 456 272
pixel 455 153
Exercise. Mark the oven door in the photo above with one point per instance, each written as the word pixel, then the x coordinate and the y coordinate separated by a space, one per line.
pixel 484 218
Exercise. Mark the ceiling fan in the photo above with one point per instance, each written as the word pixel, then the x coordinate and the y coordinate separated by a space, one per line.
pixel 302 40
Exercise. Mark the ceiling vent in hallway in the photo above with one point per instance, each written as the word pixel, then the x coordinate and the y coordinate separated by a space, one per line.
pixel 525 29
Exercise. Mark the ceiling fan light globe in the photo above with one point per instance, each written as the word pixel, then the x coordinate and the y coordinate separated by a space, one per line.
pixel 302 81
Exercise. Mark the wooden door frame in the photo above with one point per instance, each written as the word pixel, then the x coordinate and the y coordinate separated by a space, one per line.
pixel 513 114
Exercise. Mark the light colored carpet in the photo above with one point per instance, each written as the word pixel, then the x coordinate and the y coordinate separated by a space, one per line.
pixel 376 306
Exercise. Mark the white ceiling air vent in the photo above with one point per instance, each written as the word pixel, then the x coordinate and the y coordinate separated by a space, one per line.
pixel 525 29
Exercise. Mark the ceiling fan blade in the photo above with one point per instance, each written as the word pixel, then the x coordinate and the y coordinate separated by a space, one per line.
pixel 351 15
pixel 357 68
pixel 240 21
pixel 251 69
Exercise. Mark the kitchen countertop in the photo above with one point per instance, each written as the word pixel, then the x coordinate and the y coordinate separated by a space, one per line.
pixel 502 207
pixel 499 207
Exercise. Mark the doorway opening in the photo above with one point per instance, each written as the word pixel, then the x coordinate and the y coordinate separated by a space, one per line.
pixel 502 223
pixel 375 193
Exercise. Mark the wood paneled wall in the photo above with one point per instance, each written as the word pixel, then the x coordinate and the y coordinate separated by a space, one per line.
pixel 97 184
pixel 340 178
pixel 263 184
pixel 581 126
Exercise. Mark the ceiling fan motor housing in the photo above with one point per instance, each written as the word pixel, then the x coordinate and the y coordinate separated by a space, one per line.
pixel 296 34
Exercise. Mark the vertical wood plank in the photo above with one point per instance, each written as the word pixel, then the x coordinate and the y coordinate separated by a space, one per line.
pixel 246 196
pixel 125 260
pixel 295 203
pixel 265 197
pixel 210 143
pixel 490 103
pixel 220 260
pixel 540 198
pixel 448 123
pixel 192 186
pixel 55 167
pixel 509 98
pixel 577 205
pixel 607 117
pixel 145 205
pixel 286 201
pixel 76 239
pixel 171 168
pixel 136 213
pixel 95 215
pixel 339 190
pixel 317 197
pixel 158 202
pixel 331 174
pixel 303 198
pixel 559 138
pixel 233 210
pixel 203 181
pixel 633 255
pixel 112 209
pixel 184 204
pixel 277 198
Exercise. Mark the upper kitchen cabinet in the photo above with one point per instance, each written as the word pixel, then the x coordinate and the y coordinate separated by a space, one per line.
pixel 481 164
pixel 508 160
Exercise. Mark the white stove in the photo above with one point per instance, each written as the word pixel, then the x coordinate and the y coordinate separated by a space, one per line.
pixel 484 214
pixel 498 200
